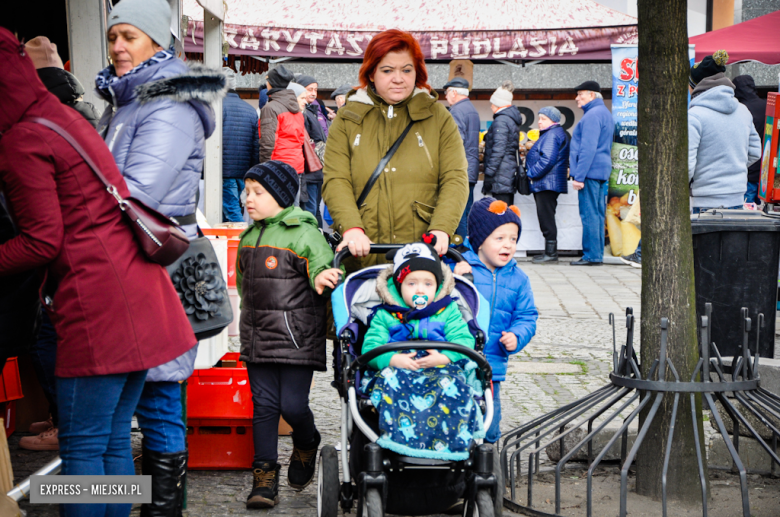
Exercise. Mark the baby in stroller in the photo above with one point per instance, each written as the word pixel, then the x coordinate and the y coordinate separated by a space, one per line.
pixel 424 398
pixel 415 389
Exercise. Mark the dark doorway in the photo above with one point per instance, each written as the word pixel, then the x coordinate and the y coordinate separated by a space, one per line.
pixel 38 18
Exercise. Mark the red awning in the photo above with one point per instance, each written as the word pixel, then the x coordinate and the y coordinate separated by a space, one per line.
pixel 753 40
pixel 499 29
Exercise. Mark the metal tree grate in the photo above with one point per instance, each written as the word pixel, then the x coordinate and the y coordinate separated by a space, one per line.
pixel 595 411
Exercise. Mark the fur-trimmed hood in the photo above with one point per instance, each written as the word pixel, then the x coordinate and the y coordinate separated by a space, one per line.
pixel 171 80
pixel 361 95
pixel 199 83
pixel 420 104
pixel 393 297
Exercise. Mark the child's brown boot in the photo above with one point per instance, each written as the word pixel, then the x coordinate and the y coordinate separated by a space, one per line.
pixel 265 485
pixel 303 463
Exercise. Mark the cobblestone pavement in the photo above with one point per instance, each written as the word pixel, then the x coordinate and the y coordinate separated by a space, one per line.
pixel 570 357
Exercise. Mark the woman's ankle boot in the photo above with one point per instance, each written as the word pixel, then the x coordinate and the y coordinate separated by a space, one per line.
pixel 169 475
pixel 550 253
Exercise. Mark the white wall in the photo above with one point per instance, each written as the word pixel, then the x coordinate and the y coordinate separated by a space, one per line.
pixel 697 13
pixel 485 113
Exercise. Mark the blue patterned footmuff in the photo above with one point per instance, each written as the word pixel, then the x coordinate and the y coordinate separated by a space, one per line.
pixel 428 413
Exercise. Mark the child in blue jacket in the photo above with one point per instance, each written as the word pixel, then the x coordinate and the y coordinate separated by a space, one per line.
pixel 493 231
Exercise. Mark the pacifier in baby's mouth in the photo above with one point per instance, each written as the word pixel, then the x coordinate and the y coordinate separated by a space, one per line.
pixel 419 301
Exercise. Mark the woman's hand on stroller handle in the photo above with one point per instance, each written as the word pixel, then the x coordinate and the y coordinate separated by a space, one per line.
pixel 442 241
pixel 356 241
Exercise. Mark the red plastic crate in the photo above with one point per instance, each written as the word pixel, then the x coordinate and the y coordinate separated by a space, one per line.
pixel 232 234
pixel 10 381
pixel 219 418
pixel 219 392
pixel 220 444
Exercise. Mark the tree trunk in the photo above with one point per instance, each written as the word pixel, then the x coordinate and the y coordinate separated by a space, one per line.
pixel 667 251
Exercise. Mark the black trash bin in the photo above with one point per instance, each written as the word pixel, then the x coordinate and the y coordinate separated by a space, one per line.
pixel 736 254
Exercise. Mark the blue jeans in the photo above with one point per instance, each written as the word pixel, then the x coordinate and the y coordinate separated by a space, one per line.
pixel 751 196
pixel 700 209
pixel 593 208
pixel 463 225
pixel 44 358
pixel 159 416
pixel 314 189
pixel 638 251
pixel 494 431
pixel 94 432
pixel 231 200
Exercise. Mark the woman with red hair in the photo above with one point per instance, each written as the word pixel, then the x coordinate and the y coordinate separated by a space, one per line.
pixel 424 186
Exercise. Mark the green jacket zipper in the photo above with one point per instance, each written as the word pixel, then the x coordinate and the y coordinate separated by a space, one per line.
pixel 421 143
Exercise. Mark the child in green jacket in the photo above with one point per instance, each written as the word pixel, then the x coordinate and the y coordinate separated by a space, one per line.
pixel 424 397
pixel 283 269
pixel 417 305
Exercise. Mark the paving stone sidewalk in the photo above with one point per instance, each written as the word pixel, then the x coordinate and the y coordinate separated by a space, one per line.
pixel 570 356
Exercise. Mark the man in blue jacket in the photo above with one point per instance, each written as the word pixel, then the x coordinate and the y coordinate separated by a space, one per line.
pixel 465 114
pixel 240 150
pixel 590 164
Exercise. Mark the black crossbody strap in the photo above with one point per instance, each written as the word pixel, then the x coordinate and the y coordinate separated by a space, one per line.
pixel 382 164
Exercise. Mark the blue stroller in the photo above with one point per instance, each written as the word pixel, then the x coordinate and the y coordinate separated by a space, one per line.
pixel 380 479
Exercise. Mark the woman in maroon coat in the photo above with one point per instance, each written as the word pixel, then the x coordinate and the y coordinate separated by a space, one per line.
pixel 116 313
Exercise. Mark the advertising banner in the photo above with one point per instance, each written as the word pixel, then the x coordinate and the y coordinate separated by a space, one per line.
pixel 768 188
pixel 623 218
pixel 623 190
pixel 276 42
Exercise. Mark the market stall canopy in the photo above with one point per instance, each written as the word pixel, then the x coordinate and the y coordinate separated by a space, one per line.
pixel 498 29
pixel 753 40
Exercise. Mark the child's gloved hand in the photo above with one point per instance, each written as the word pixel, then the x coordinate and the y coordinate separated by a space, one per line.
pixel 328 278
pixel 405 361
pixel 461 268
pixel 509 340
pixel 434 358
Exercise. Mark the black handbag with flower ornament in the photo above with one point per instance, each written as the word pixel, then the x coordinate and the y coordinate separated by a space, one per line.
pixel 197 278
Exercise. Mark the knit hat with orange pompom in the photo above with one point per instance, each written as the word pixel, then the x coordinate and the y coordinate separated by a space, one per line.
pixel 486 215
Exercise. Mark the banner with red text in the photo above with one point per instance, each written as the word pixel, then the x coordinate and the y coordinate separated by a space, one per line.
pixel 623 190
pixel 585 44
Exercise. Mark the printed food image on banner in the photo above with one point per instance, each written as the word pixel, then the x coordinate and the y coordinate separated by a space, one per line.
pixel 623 190
pixel 769 186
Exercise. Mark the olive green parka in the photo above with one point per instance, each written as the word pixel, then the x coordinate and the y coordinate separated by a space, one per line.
pixel 424 186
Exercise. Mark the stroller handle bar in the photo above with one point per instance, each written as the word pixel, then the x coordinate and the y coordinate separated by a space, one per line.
pixel 481 361
pixel 376 249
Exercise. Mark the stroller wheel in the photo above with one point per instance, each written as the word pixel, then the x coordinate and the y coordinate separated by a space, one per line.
pixel 328 483
pixel 498 504
pixel 484 504
pixel 372 504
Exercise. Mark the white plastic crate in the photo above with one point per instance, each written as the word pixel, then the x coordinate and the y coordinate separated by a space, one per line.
pixel 235 302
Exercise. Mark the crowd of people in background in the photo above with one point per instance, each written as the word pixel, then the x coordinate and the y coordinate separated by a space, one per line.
pixel 290 114
pixel 552 162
